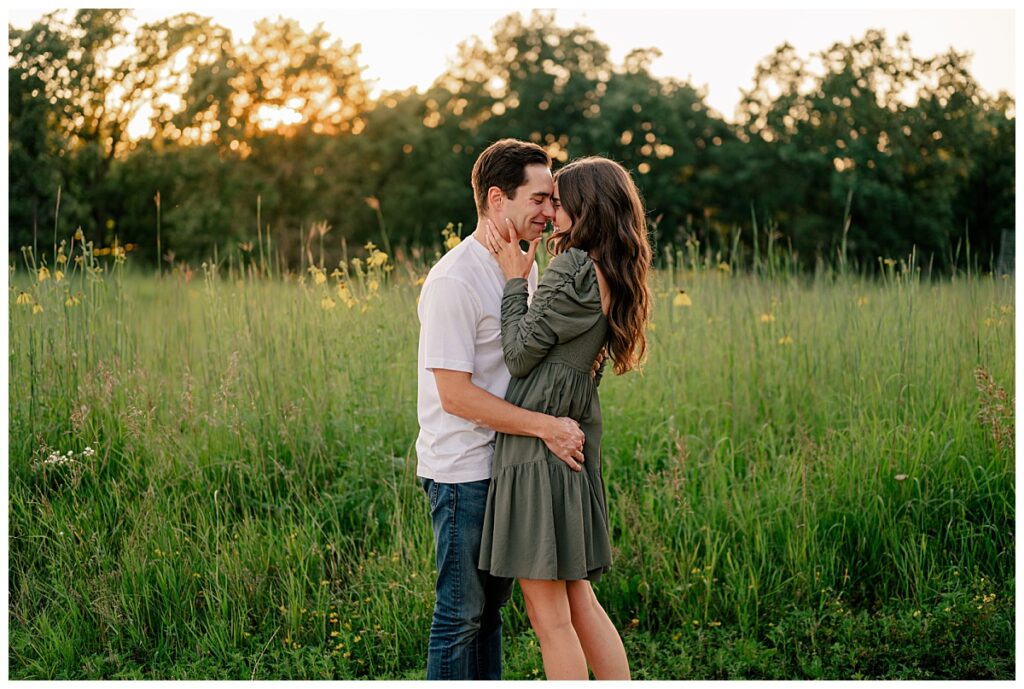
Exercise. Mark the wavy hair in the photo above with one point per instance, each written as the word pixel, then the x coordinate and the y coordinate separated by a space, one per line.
pixel 608 223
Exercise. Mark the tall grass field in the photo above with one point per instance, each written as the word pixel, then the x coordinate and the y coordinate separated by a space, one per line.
pixel 212 473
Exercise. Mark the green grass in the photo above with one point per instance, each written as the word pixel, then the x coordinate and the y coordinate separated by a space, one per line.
pixel 800 484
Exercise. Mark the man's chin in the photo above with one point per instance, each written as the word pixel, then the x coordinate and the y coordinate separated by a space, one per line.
pixel 535 231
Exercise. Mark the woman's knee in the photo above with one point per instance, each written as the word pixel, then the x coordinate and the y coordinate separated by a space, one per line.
pixel 582 601
pixel 548 608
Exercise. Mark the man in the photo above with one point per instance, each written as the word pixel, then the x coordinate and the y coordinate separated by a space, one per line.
pixel 462 383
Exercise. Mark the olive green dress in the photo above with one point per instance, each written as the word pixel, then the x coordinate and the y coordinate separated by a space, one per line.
pixel 544 520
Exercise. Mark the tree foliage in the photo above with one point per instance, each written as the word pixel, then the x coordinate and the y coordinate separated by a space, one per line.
pixel 910 148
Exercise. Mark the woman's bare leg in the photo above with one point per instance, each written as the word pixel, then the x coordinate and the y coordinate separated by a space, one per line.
pixel 547 604
pixel 601 642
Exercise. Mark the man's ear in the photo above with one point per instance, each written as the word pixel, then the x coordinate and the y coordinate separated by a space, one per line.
pixel 495 199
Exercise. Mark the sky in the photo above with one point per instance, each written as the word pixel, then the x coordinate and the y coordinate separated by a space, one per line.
pixel 714 49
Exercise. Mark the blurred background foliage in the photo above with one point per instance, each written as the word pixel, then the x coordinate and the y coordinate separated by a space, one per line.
pixel 281 131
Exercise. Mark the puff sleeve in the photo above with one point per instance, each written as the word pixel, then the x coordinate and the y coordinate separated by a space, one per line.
pixel 566 304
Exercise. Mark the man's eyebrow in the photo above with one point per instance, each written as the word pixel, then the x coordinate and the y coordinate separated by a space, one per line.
pixel 541 193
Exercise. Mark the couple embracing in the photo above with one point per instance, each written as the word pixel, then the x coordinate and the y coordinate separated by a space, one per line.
pixel 509 449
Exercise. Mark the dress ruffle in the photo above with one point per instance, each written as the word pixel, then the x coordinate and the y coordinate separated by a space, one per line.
pixel 546 509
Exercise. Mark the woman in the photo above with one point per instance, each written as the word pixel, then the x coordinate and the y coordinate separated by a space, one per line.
pixel 545 524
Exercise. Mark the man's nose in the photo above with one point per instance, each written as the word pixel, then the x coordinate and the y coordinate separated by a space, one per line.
pixel 549 210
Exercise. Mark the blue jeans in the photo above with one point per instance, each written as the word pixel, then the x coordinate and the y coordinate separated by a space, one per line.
pixel 465 635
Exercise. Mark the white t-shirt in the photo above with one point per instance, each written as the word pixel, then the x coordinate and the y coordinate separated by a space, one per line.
pixel 460 330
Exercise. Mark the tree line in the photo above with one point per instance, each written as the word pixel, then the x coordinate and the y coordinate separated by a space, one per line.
pixel 863 149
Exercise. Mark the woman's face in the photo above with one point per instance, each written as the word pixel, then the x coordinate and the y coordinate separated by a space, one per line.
pixel 562 221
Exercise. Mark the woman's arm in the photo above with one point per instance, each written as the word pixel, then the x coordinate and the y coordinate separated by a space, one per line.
pixel 567 301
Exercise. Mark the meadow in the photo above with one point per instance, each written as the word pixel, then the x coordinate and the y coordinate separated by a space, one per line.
pixel 212 473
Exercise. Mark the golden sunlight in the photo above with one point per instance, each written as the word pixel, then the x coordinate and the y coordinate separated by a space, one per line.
pixel 274 116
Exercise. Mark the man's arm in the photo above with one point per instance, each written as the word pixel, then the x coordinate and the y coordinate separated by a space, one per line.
pixel 460 397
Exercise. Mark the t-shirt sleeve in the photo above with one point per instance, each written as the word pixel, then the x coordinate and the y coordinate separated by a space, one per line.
pixel 449 313
pixel 566 304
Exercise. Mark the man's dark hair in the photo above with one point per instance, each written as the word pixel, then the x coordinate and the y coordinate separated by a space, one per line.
pixel 503 165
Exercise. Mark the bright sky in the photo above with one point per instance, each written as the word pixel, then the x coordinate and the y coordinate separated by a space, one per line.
pixel 717 49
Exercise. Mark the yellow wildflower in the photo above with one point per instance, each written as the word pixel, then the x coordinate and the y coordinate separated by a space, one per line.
pixel 767 318
pixel 319 278
pixel 327 304
pixel 72 300
pixel 345 295
pixel 43 274
pixel 452 241
pixel 78 236
pixel 24 299
pixel 38 308
pixel 725 267
pixel 420 280
pixel 58 275
pixel 373 285
pixel 890 262
pixel 376 259
pixel 61 258
pixel 862 301
pixel 786 340
pixel 682 299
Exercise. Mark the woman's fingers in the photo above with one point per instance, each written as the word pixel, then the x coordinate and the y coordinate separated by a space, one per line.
pixel 513 236
pixel 492 238
pixel 532 251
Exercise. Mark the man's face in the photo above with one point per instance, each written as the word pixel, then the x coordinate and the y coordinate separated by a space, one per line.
pixel 531 208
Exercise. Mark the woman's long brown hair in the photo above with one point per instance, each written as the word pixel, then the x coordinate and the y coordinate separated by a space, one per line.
pixel 608 223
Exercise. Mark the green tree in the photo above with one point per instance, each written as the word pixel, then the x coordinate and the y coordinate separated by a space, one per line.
pixel 72 101
pixel 848 131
